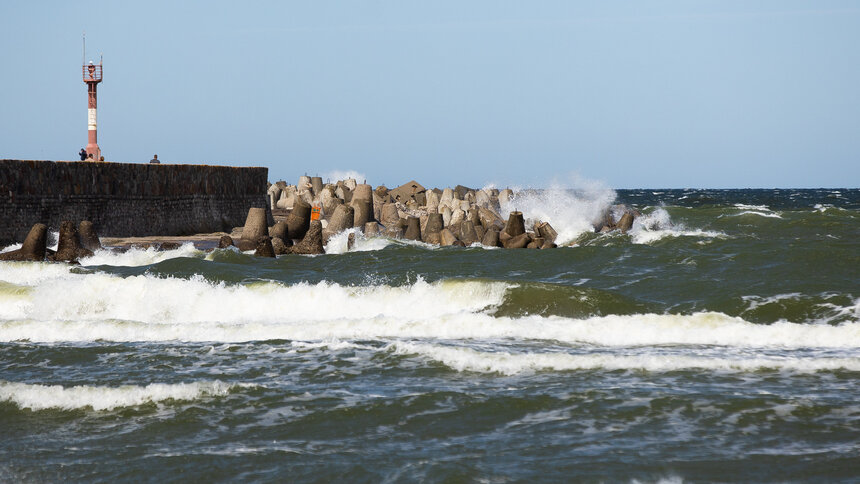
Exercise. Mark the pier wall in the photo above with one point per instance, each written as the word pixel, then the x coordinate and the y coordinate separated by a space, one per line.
pixel 127 199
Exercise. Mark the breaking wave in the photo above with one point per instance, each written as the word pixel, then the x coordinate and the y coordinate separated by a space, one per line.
pixel 50 303
pixel 507 363
pixel 43 397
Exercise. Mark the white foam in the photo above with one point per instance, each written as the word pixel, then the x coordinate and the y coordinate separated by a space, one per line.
pixel 468 359
pixel 32 273
pixel 570 212
pixel 56 304
pixel 80 307
pixel 752 207
pixel 760 214
pixel 338 243
pixel 10 248
pixel 658 224
pixel 42 397
pixel 136 257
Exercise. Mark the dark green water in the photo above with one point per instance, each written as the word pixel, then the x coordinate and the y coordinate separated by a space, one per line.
pixel 718 341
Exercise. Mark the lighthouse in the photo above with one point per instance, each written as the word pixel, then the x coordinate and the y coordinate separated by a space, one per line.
pixel 92 78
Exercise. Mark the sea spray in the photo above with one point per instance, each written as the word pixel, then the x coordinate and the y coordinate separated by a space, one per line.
pixel 572 210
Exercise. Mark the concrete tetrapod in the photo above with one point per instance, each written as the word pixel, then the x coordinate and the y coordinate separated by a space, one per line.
pixel 279 246
pixel 435 224
pixel 363 210
pixel 312 243
pixel 389 216
pixel 264 247
pixel 316 185
pixel 516 225
pixel 299 219
pixel 518 242
pixel 33 248
pixel 413 229
pixel 89 238
pixel 491 238
pixel 371 229
pixel 69 246
pixel 342 219
pixel 255 224
pixel 546 231
pixel 468 235
pixel 490 218
pixel 363 191
pixel 537 243
pixel 362 203
pixel 280 231
pixel 447 238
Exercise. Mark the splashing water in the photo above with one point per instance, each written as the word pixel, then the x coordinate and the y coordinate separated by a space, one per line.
pixel 571 211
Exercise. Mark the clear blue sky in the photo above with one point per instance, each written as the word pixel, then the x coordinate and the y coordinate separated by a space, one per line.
pixel 633 94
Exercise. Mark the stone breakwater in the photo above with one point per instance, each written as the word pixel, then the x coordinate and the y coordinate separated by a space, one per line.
pixel 458 216
pixel 126 199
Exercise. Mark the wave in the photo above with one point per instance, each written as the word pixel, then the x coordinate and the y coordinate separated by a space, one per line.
pixel 658 224
pixel 44 302
pixel 136 257
pixel 43 397
pixel 506 363
pixel 339 243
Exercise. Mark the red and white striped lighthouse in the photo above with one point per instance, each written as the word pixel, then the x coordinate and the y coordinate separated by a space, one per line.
pixel 92 77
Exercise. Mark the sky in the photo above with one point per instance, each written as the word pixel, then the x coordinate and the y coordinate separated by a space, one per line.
pixel 642 94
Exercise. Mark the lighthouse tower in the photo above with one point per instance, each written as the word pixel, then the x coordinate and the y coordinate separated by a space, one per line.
pixel 92 78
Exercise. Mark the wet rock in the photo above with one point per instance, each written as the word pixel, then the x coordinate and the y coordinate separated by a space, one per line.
pixel 626 222
pixel 225 241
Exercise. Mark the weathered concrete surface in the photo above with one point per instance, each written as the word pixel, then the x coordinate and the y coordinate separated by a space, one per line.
pixel 127 199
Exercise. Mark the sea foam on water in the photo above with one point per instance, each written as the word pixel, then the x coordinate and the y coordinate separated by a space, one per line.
pixel 41 397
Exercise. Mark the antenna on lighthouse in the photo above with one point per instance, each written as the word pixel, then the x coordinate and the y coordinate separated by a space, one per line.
pixel 84 55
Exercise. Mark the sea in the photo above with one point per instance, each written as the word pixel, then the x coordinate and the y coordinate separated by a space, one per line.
pixel 716 341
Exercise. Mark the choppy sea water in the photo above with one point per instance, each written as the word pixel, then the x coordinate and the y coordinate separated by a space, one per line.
pixel 718 341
